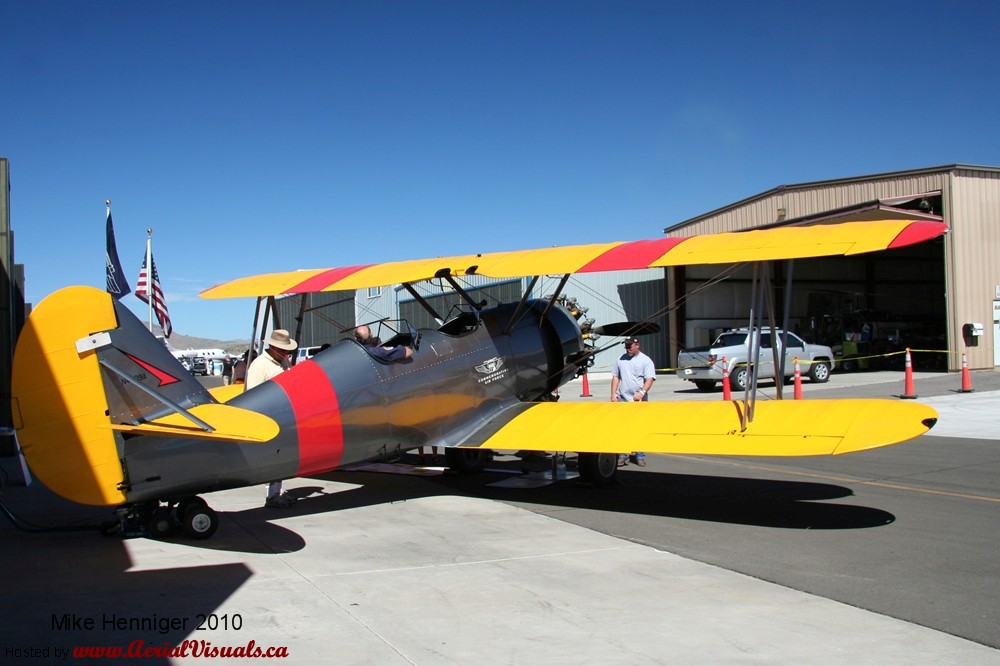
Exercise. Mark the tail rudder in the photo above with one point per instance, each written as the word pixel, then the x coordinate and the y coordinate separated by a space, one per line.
pixel 84 362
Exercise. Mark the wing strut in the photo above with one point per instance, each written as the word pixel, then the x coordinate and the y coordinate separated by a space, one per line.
pixel 423 303
pixel 476 307
pixel 760 294
pixel 555 296
pixel 520 306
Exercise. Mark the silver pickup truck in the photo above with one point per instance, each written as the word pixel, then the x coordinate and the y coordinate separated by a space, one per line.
pixel 703 365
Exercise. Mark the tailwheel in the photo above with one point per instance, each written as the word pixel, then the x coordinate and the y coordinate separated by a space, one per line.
pixel 599 469
pixel 197 519
pixel 467 461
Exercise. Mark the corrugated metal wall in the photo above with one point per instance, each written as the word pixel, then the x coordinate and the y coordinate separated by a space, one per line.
pixel 975 256
pixel 624 296
pixel 326 315
pixel 808 199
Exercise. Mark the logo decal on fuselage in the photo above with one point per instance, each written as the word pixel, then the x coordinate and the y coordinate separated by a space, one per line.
pixel 491 370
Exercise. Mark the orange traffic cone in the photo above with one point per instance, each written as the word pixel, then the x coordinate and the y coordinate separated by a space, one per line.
pixel 797 393
pixel 908 391
pixel 727 393
pixel 586 387
pixel 966 379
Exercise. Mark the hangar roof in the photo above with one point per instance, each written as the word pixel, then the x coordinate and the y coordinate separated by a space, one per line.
pixel 840 214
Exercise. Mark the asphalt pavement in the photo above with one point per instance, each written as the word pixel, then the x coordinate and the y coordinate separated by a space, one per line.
pixel 419 567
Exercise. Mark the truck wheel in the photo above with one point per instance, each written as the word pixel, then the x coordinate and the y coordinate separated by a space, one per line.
pixel 739 378
pixel 705 385
pixel 819 372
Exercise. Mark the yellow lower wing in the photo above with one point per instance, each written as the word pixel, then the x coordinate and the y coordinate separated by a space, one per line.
pixel 779 428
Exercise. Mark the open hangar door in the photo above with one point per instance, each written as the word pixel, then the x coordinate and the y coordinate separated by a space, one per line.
pixel 868 307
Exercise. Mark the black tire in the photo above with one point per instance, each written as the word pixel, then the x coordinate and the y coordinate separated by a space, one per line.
pixel 705 385
pixel 739 377
pixel 599 469
pixel 160 524
pixel 199 521
pixel 819 372
pixel 185 504
pixel 467 461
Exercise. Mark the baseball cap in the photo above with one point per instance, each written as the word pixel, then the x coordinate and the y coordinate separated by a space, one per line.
pixel 630 341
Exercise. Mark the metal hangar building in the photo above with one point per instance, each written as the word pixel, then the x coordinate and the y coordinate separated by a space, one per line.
pixel 940 299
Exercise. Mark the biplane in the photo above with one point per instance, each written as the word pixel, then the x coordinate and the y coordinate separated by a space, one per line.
pixel 106 416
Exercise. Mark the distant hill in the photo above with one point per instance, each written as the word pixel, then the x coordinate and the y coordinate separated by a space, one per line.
pixel 181 341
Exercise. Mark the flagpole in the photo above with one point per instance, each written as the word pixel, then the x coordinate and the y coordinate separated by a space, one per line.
pixel 149 275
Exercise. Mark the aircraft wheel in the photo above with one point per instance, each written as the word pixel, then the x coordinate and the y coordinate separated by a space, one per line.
pixel 160 524
pixel 187 503
pixel 705 385
pixel 598 468
pixel 467 461
pixel 199 521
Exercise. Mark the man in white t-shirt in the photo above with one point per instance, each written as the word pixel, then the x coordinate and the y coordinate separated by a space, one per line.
pixel 631 379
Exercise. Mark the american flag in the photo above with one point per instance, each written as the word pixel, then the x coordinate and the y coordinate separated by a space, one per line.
pixel 159 303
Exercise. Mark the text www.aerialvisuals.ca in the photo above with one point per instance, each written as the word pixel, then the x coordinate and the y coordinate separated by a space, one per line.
pixel 138 649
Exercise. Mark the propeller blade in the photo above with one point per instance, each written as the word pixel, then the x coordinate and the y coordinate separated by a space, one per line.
pixel 628 328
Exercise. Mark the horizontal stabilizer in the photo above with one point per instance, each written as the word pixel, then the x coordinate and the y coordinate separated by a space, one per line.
pixel 229 424
pixel 226 392
pixel 779 427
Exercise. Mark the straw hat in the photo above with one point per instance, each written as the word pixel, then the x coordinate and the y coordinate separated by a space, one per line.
pixel 280 339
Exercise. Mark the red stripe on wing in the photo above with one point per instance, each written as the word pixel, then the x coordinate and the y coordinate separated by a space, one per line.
pixel 918 232
pixel 325 279
pixel 637 254
pixel 317 418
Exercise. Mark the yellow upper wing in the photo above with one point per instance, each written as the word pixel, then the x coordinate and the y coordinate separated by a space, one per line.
pixel 759 245
pixel 779 428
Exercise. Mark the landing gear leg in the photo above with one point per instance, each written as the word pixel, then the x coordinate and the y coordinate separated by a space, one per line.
pixel 192 515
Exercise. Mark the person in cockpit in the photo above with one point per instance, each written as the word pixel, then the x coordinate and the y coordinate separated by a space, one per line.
pixel 386 354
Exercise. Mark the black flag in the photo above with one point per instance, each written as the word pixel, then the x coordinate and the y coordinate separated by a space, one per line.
pixel 117 284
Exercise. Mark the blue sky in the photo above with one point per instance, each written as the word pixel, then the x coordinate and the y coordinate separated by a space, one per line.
pixel 262 136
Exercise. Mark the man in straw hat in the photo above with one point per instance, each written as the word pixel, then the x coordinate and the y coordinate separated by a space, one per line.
pixel 275 360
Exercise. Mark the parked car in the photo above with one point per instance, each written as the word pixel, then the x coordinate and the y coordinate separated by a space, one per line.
pixel 199 366
pixel 306 353
pixel 703 365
